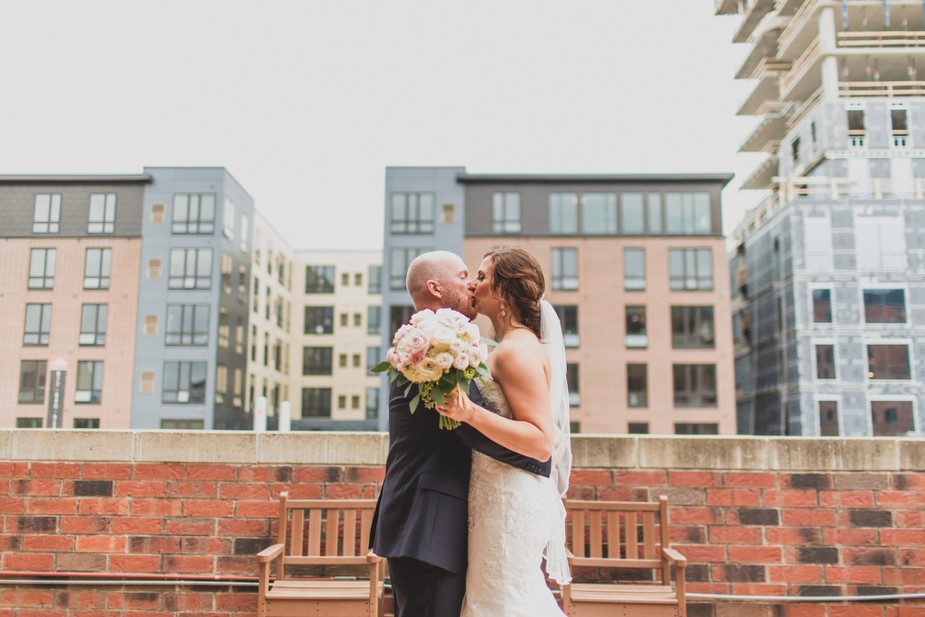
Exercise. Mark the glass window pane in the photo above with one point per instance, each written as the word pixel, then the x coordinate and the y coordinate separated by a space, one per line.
pixel 631 214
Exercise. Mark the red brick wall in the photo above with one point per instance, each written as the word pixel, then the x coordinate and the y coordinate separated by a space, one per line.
pixel 743 532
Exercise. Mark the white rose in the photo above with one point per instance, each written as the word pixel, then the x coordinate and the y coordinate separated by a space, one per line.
pixel 444 360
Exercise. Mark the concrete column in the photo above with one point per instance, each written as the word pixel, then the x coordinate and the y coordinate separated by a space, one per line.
pixel 826 50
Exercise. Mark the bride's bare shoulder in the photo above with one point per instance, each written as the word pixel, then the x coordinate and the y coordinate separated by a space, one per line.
pixel 519 350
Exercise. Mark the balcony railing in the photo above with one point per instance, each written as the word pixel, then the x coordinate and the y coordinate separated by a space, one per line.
pixel 795 24
pixel 808 57
pixel 881 39
pixel 889 89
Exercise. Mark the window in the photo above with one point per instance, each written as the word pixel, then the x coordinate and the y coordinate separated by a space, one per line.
pixel 637 389
pixel 319 320
pixel 374 280
pixel 184 382
pixel 32 381
pixel 227 267
pixel 399 315
pixel 157 214
pixel 822 305
pixel 563 213
pixel 342 401
pixel 224 328
pixel 825 361
pixel 358 279
pixel 692 327
pixel 880 242
pixel 884 306
pixel 93 324
pixel 245 228
pixel 102 218
pixel 891 418
pixel 813 137
pixel 636 327
pixel 319 279
pixel 242 282
pixel 187 324
pixel 856 128
pixel 221 383
pixel 182 425
pixel 373 357
pixel 599 213
pixel 193 214
pixel 632 215
pixel 28 423
pixel 147 380
pixel 795 151
pixel 571 376
pixel 154 269
pixel 568 317
pixel 373 319
pixel 97 268
pixel 316 402
pixel 317 360
pixel 900 125
pixel 342 360
pixel 828 418
pixel 695 428
pixel 85 423
pixel 634 269
pixel 357 360
pixel 46 217
pixel 344 319
pixel 190 269
pixel 357 320
pixel 398 265
pixel 694 385
pixel 89 381
pixel 42 269
pixel 505 213
pixel 655 215
pixel 817 240
pixel 228 219
pixel 151 325
pixel 638 428
pixel 412 213
pixel 690 269
pixel 345 279
pixel 38 324
pixel 565 269
pixel 888 362
pixel 448 214
pixel 688 213
pixel 372 403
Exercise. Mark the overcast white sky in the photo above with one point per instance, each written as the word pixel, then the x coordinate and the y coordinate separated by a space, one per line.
pixel 306 102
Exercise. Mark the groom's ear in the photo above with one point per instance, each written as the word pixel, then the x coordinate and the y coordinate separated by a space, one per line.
pixel 434 288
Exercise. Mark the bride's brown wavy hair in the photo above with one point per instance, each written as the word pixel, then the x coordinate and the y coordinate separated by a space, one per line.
pixel 518 276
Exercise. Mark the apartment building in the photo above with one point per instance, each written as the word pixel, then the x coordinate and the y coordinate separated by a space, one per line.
pixel 634 265
pixel 268 360
pixel 193 301
pixel 70 251
pixel 336 339
pixel 828 273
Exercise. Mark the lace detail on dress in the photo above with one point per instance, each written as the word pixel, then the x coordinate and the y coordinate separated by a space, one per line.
pixel 508 529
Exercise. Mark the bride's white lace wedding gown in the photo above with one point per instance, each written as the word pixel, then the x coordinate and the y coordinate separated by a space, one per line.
pixel 509 525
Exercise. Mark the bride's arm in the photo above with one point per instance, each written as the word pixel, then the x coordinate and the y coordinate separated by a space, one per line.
pixel 520 372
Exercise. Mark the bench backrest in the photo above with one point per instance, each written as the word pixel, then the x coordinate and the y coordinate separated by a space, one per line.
pixel 617 534
pixel 324 532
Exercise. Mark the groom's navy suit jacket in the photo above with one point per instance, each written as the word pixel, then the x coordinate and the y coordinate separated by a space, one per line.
pixel 423 507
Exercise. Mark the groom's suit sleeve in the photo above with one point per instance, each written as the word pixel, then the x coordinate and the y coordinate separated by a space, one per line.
pixel 477 441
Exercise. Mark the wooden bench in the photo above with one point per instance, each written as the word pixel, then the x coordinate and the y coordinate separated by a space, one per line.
pixel 321 554
pixel 631 536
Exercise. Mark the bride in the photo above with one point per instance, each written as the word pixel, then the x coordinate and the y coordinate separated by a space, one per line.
pixel 517 518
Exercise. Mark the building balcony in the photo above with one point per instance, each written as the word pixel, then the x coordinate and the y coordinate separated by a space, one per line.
pixel 725 7
pixel 763 57
pixel 766 136
pixel 800 29
pixel 755 11
pixel 880 89
pixel 766 90
pixel 763 176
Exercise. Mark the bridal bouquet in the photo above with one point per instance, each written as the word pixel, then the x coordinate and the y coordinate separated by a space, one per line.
pixel 435 352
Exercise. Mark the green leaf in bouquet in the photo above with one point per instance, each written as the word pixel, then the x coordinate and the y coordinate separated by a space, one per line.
pixel 394 376
pixel 408 389
pixel 437 395
pixel 413 403
pixel 381 367
pixel 482 370
pixel 448 381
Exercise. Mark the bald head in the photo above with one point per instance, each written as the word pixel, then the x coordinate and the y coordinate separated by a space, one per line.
pixel 439 279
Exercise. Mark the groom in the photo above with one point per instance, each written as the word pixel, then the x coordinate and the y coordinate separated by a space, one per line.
pixel 421 524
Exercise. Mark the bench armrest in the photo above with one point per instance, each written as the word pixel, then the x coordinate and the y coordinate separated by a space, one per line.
pixel 372 557
pixel 676 558
pixel 270 553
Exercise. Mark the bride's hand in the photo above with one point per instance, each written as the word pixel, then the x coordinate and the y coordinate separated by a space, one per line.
pixel 457 405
